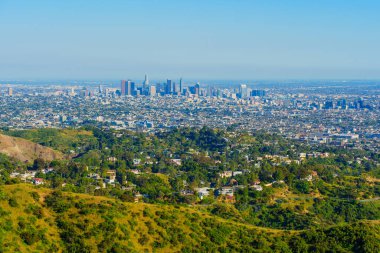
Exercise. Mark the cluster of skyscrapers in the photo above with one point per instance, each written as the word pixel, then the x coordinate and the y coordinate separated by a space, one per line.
pixel 129 88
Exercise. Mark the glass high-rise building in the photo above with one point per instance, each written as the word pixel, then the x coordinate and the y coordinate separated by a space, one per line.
pixel 168 86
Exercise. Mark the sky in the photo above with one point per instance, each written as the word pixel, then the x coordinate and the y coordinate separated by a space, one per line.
pixel 235 39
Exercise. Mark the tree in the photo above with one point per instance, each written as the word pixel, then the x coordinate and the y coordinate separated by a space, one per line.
pixel 39 164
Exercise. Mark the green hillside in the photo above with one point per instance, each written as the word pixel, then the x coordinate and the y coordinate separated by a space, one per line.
pixel 40 220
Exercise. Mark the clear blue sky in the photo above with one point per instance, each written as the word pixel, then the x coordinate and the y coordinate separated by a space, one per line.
pixel 206 39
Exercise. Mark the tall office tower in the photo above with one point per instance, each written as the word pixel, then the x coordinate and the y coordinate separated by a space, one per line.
pixel 196 89
pixel 209 91
pixel 219 93
pixel 10 92
pixel 100 90
pixel 130 88
pixel 168 86
pixel 123 87
pixel 174 88
pixel 329 105
pixel 152 91
pixel 243 91
pixel 158 87
pixel 180 85
pixel 342 103
pixel 146 82
pixel 84 92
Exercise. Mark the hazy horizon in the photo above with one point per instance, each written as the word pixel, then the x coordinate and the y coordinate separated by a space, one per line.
pixel 202 40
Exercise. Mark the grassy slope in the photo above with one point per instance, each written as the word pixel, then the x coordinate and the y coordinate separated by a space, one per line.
pixel 103 224
pixel 153 223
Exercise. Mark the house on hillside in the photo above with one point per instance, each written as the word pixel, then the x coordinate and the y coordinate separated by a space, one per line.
pixel 257 187
pixel 111 176
pixel 136 161
pixel 135 171
pixel 48 170
pixel 228 191
pixel 203 192
pixel 225 174
pixel 112 159
pixel 187 192
pixel 38 181
pixel 238 172
pixel 177 162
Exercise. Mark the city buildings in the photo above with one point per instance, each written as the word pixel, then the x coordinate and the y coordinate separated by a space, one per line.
pixel 343 116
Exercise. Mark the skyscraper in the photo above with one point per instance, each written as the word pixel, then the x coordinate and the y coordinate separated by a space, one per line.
pixel 180 85
pixel 168 86
pixel 243 91
pixel 130 88
pixel 10 92
pixel 158 87
pixel 152 91
pixel 123 87
pixel 127 88
pixel 196 88
pixel 72 92
pixel 209 91
pixel 146 82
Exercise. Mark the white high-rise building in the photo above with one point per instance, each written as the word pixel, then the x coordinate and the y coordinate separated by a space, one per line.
pixel 243 91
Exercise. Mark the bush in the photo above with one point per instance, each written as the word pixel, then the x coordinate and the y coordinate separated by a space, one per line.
pixel 57 202
pixel 35 210
pixel 143 240
pixel 31 235
pixel 35 196
pixel 302 186
pixel 12 202
pixel 225 211
pixel 3 212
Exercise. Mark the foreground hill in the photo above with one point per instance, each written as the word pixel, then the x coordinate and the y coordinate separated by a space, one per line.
pixel 37 219
pixel 25 150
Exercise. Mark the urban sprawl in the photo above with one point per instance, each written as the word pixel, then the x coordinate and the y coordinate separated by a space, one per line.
pixel 339 114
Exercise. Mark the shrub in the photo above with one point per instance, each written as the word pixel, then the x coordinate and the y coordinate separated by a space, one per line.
pixel 57 202
pixel 12 202
pixel 35 210
pixel 31 235
pixel 35 196
pixel 143 240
